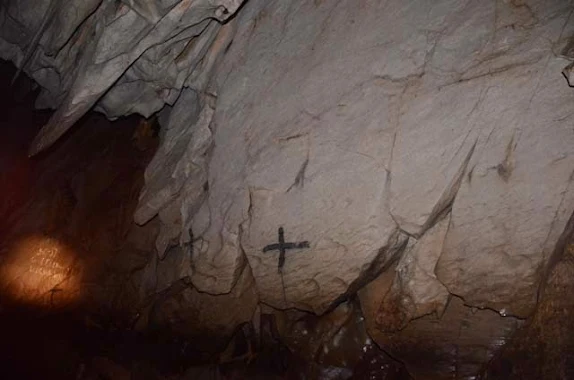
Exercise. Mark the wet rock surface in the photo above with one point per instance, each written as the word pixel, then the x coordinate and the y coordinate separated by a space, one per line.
pixel 457 343
pixel 337 345
pixel 544 348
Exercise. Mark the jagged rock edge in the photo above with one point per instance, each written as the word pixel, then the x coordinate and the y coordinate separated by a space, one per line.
pixel 65 118
pixel 445 202
pixel 557 254
pixel 396 246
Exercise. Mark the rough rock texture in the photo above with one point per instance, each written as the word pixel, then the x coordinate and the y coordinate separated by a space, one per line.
pixel 455 346
pixel 77 276
pixel 336 345
pixel 41 271
pixel 131 56
pixel 206 320
pixel 443 109
pixel 345 134
pixel 71 240
pixel 544 348
pixel 416 291
pixel 177 176
pixel 312 162
pixel 362 127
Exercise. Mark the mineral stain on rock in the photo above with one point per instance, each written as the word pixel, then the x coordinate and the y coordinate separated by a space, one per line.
pixel 504 169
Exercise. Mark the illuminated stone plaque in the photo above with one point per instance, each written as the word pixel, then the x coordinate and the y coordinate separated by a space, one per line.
pixel 41 271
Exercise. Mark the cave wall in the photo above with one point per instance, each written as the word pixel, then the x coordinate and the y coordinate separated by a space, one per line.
pixel 423 150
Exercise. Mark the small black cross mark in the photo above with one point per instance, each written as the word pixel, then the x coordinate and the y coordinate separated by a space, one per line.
pixel 283 247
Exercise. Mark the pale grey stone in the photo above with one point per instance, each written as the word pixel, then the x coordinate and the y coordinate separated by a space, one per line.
pixel 137 55
pixel 518 195
pixel 416 291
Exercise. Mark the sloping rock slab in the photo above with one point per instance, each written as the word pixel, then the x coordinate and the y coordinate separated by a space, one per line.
pixel 517 195
pixel 456 346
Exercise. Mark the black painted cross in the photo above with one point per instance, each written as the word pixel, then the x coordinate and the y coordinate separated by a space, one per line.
pixel 283 247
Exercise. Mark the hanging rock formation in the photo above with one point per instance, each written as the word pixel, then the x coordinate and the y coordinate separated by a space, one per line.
pixel 106 52
pixel 426 142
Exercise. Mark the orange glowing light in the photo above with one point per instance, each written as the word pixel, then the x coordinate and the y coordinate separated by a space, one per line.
pixel 41 271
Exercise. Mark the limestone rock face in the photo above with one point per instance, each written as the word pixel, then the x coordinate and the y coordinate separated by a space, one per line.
pixel 314 162
pixel 416 291
pixel 341 132
pixel 177 176
pixel 434 135
pixel 122 56
pixel 517 196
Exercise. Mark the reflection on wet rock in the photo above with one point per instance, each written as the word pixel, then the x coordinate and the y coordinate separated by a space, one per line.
pixel 336 345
